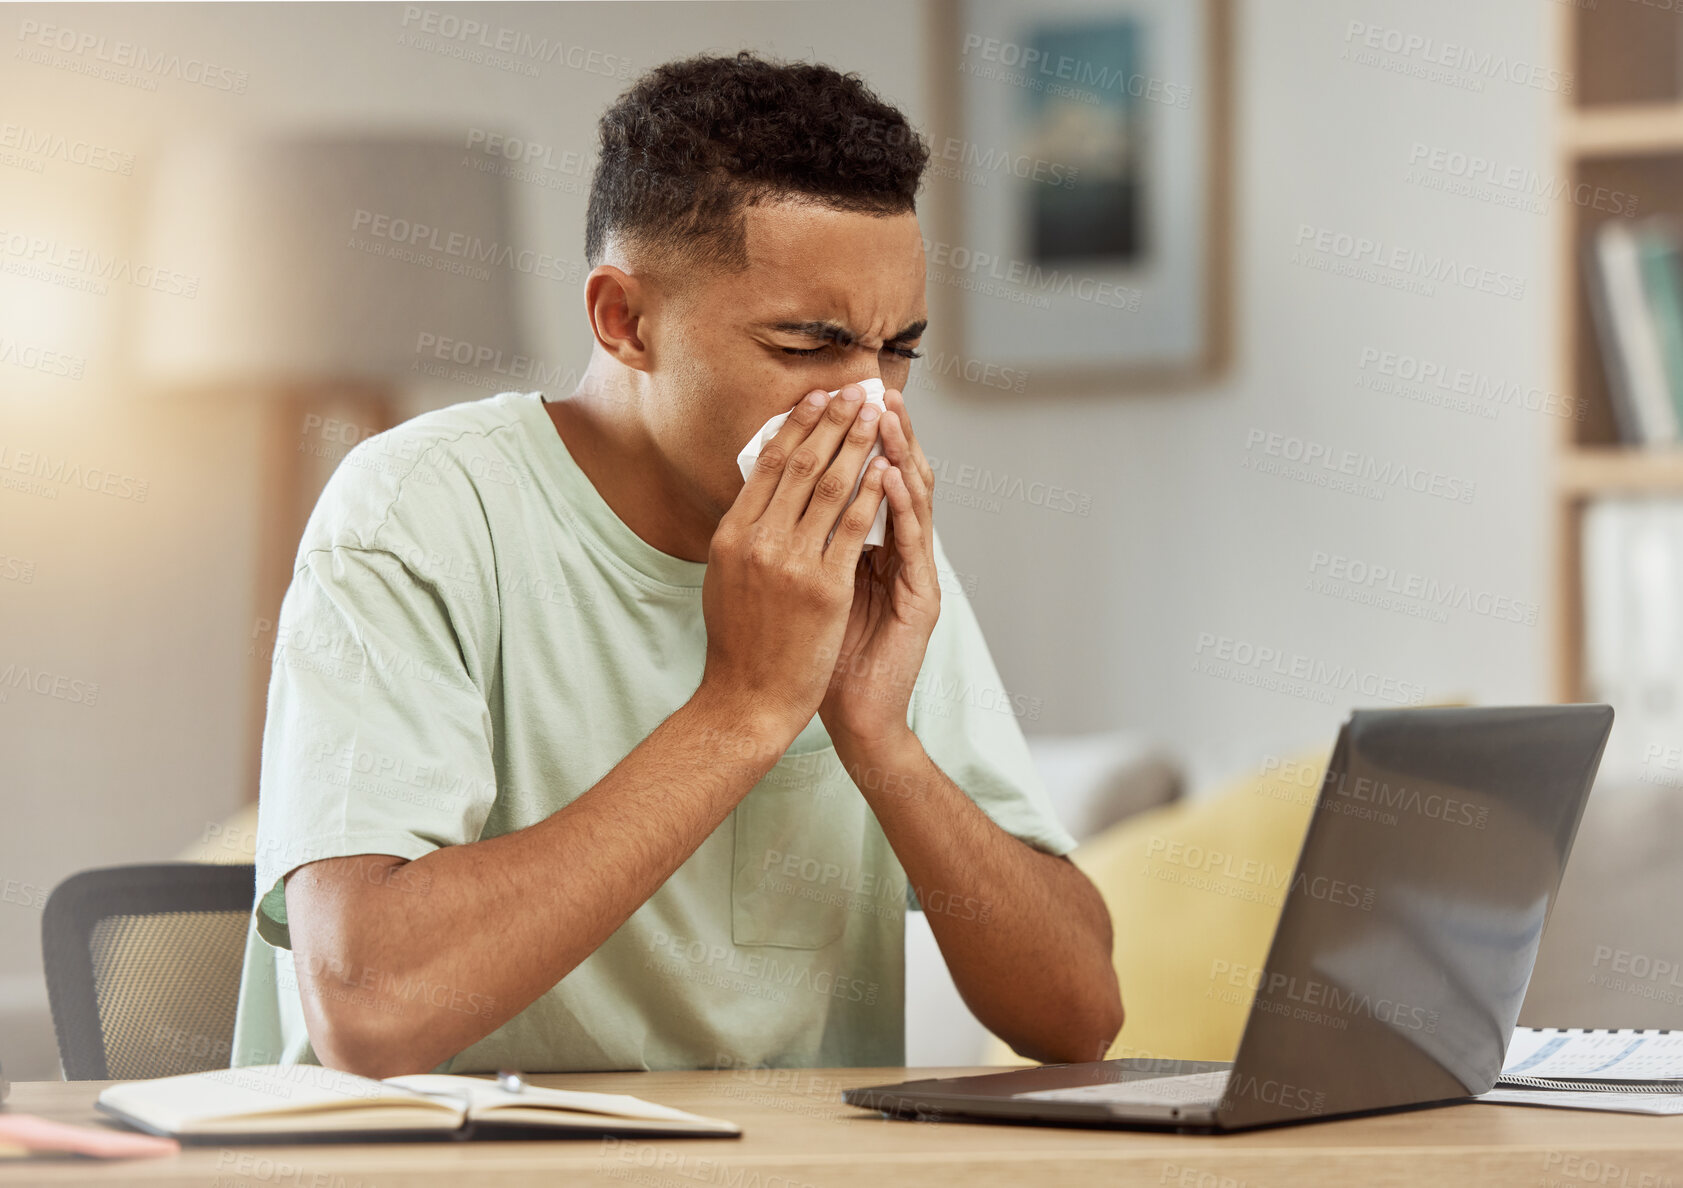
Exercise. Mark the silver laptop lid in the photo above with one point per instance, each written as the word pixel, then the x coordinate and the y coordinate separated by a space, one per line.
pixel 1412 919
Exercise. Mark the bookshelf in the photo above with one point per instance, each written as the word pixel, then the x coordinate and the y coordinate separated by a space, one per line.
pixel 1621 129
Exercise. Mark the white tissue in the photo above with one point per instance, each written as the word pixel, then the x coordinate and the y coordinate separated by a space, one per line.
pixel 751 453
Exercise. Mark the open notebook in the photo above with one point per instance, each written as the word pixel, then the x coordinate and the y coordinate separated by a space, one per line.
pixel 305 1102
pixel 1628 1071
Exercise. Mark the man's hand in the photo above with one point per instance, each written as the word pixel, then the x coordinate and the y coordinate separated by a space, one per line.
pixel 1026 935
pixel 896 600
pixel 776 598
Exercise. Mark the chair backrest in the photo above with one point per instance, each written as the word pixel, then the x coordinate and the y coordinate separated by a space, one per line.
pixel 143 967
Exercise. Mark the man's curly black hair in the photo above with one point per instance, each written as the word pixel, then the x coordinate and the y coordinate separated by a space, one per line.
pixel 695 142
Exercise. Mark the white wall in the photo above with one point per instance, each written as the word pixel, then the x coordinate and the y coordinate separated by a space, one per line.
pixel 1102 617
pixel 1098 617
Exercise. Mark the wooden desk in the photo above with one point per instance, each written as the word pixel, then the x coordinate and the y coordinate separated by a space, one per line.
pixel 797 1134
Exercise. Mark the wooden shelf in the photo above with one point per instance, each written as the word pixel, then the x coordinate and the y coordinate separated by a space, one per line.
pixel 1623 131
pixel 1607 470
pixel 1620 132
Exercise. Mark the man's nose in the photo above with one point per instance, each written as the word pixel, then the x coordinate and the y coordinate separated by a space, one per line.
pixel 873 373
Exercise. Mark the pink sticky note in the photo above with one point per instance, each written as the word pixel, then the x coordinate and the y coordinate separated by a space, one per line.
pixel 41 1135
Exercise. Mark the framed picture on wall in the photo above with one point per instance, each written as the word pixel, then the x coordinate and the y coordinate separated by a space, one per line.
pixel 1079 159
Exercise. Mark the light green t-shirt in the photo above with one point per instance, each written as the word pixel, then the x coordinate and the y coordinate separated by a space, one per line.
pixel 471 640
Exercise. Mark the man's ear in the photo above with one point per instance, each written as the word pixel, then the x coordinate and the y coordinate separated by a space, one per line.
pixel 616 303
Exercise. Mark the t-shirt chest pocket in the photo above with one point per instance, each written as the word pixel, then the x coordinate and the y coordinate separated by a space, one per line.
pixel 799 846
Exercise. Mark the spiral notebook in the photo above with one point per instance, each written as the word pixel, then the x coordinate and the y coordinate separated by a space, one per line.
pixel 1630 1070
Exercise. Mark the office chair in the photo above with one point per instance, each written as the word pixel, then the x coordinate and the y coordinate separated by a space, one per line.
pixel 143 967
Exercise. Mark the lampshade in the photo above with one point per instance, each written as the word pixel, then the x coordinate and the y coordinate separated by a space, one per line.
pixel 310 259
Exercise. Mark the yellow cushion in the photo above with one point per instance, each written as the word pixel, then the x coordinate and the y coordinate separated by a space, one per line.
pixel 1194 891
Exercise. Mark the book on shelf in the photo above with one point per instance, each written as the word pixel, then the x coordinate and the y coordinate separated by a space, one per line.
pixel 1659 256
pixel 1635 291
pixel 1632 577
pixel 309 1103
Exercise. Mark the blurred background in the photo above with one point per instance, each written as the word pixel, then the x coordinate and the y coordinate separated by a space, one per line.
pixel 1280 362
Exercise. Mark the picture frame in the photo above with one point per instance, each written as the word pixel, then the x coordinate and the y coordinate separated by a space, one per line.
pixel 1079 165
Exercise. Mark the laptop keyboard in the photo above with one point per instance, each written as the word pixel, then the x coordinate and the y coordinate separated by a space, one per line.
pixel 1201 1088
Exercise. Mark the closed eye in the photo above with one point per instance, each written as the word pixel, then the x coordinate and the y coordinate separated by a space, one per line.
pixel 808 352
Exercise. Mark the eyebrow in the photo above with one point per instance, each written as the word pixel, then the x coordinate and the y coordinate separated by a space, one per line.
pixel 835 332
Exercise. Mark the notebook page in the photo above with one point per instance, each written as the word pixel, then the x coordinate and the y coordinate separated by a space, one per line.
pixel 481 1095
pixel 1616 1103
pixel 1595 1055
pixel 176 1104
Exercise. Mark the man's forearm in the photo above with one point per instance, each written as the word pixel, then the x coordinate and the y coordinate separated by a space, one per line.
pixel 1025 933
pixel 501 921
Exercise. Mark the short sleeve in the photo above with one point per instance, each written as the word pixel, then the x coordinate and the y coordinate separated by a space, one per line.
pixel 968 723
pixel 378 736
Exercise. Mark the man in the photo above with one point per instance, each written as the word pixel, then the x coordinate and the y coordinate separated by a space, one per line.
pixel 581 752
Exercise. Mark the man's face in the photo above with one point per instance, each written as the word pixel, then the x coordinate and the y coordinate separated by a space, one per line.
pixel 829 297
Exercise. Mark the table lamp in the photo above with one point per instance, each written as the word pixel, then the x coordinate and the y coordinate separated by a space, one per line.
pixel 312 267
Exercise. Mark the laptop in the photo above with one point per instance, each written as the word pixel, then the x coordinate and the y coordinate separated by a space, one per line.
pixel 1406 938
